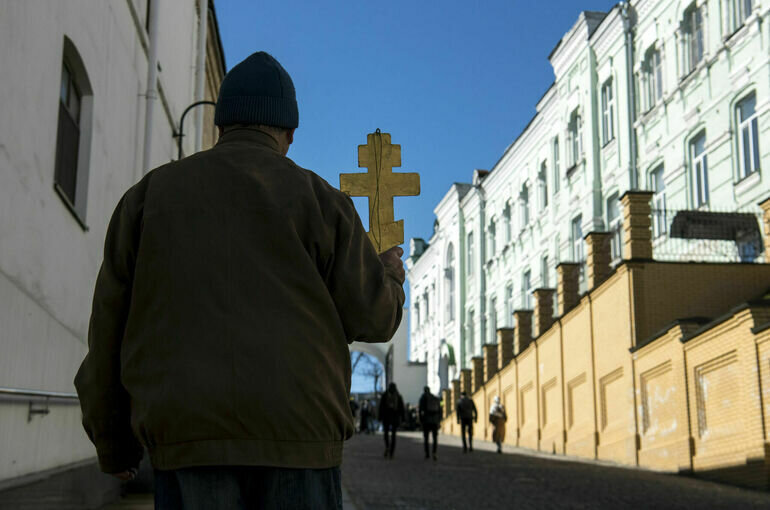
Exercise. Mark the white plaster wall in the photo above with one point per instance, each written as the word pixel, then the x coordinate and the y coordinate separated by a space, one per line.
pixel 734 66
pixel 48 263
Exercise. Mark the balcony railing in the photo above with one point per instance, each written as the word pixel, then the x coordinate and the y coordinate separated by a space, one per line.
pixel 707 235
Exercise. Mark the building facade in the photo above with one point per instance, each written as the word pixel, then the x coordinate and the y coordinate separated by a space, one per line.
pixel 669 96
pixel 83 120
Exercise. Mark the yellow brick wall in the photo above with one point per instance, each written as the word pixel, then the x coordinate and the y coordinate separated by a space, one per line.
pixel 661 393
pixel 529 430
pixel 676 403
pixel 578 387
pixel 549 354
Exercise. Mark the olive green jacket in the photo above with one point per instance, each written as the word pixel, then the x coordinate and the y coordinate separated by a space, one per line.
pixel 232 283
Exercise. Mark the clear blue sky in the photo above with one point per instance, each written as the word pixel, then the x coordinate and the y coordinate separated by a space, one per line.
pixel 453 82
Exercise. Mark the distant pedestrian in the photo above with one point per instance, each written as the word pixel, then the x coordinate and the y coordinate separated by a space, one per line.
pixel 353 411
pixel 498 417
pixel 391 416
pixel 430 418
pixel 467 415
pixel 364 427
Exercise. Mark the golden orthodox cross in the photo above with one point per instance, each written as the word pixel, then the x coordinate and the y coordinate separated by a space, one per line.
pixel 380 185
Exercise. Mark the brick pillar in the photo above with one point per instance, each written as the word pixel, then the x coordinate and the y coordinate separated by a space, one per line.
pixel 465 382
pixel 477 374
pixel 504 347
pixel 568 286
pixel 543 315
pixel 765 205
pixel 637 225
pixel 522 334
pixel 598 257
pixel 455 394
pixel 446 395
pixel 490 361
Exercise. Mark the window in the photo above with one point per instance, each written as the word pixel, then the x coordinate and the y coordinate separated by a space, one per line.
pixel 493 319
pixel 542 186
pixel 509 306
pixel 737 12
pixel 492 233
pixel 748 136
pixel 449 282
pixel 608 113
pixel 544 276
pixel 556 173
pixel 693 37
pixel 470 253
pixel 73 134
pixel 614 224
pixel 507 219
pixel 526 287
pixel 417 320
pixel 524 202
pixel 574 138
pixel 699 170
pixel 471 332
pixel 425 299
pixel 658 188
pixel 577 239
pixel 653 77
pixel 68 135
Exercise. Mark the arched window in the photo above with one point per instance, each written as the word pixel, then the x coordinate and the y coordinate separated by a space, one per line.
pixel 491 233
pixel 449 283
pixel 73 133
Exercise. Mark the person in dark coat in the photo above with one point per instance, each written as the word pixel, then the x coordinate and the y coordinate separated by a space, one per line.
pixel 467 415
pixel 364 417
pixel 391 415
pixel 232 284
pixel 430 419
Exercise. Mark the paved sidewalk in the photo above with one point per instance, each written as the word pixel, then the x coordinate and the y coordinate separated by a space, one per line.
pixel 516 479
pixel 145 502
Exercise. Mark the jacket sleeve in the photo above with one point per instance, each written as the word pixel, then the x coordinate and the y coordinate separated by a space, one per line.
pixel 103 399
pixel 368 296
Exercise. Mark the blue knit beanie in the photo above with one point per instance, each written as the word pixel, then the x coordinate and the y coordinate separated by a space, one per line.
pixel 257 91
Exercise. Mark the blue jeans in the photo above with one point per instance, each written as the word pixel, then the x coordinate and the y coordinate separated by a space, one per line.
pixel 247 487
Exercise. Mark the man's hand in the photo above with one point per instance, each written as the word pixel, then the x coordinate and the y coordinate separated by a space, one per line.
pixel 392 259
pixel 126 476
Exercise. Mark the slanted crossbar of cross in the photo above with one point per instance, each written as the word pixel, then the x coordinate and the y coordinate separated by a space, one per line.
pixel 380 185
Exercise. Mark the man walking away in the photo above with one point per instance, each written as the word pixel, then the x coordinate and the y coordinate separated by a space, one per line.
pixel 391 416
pixel 466 417
pixel 430 418
pixel 364 417
pixel 498 417
pixel 233 281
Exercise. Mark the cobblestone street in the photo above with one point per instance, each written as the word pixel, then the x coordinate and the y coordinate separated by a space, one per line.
pixel 518 480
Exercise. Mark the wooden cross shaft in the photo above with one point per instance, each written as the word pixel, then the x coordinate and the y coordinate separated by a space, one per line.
pixel 380 185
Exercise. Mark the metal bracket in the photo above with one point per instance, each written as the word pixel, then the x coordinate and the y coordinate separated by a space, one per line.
pixel 41 408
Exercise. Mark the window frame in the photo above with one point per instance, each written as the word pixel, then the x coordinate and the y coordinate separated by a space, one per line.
pixel 574 138
pixel 71 174
pixel 608 112
pixel 699 171
pixel 469 253
pixel 556 164
pixel 694 37
pixel 751 126
pixel 659 220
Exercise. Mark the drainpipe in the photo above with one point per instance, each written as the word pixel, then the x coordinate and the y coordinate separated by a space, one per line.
pixel 482 271
pixel 625 13
pixel 200 85
pixel 151 96
pixel 461 281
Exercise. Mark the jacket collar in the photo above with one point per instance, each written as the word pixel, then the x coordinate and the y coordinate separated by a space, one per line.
pixel 249 135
